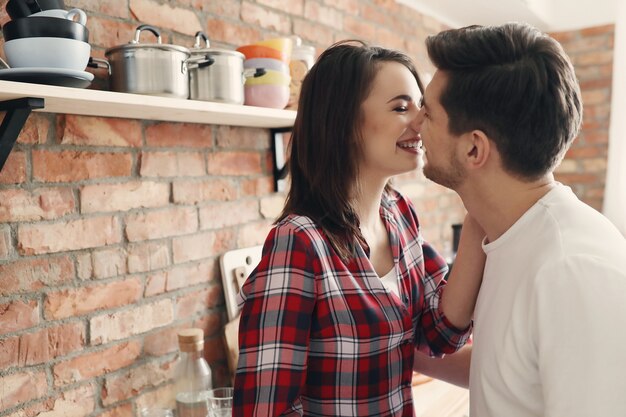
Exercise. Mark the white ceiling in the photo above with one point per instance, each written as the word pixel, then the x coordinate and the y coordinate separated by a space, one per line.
pixel 547 15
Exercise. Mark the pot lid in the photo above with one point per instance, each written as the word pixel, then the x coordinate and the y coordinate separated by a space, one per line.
pixel 134 44
pixel 198 49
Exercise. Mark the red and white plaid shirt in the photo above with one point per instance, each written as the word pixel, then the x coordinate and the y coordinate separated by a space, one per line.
pixel 319 337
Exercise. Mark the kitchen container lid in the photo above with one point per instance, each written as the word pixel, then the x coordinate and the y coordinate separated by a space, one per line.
pixel 191 340
pixel 198 48
pixel 301 51
pixel 135 44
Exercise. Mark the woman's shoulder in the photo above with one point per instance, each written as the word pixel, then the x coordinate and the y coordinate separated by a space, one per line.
pixel 302 226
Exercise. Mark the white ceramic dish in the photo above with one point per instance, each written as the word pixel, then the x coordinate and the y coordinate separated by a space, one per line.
pixel 47 53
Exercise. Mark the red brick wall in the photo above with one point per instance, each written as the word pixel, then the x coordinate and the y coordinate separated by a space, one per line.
pixel 584 167
pixel 111 229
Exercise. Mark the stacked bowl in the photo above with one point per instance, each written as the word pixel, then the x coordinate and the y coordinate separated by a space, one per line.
pixel 42 34
pixel 272 88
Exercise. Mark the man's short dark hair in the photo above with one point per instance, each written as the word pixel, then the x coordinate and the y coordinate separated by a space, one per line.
pixel 517 85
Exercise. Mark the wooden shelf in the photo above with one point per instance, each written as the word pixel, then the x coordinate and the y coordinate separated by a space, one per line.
pixel 135 106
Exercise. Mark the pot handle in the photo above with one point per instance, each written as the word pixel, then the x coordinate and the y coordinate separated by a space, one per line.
pixel 201 36
pixel 99 63
pixel 198 62
pixel 156 32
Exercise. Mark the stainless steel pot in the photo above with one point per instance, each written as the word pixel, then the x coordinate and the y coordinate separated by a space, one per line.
pixel 221 79
pixel 149 68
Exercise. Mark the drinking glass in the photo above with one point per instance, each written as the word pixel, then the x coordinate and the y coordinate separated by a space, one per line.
pixel 156 412
pixel 220 401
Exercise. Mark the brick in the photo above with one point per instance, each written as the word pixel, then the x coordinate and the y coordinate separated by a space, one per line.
pixel 66 236
pixel 596 137
pixel 389 39
pixel 155 284
pixel 596 84
pixel 105 32
pixel 217 216
pixel 80 301
pixel 129 384
pixel 144 257
pixel 312 33
pixel 567 166
pixel 108 263
pixel 84 266
pixel 214 189
pixel 70 166
pixel 292 7
pixel 592 58
pixel 161 223
pixel 585 152
pixel 594 72
pixel 360 28
pixel 234 163
pixel 21 387
pixel 124 410
pixel 35 131
pixel 172 164
pixel 257 187
pixel 76 402
pixel 565 37
pixel 595 165
pixel 233 33
pixel 576 178
pixel 598 30
pixel 117 8
pixel 49 343
pixel 197 302
pixel 30 275
pixel 591 97
pixel 253 234
pixel 123 197
pixel 22 205
pixel 165 16
pixel 188 275
pixel 6 244
pixel 219 8
pixel 14 169
pixel 96 363
pixel 348 6
pixel 9 349
pixel 271 207
pixel 235 137
pixel 374 14
pixel 122 324
pixel 18 315
pixel 260 16
pixel 325 15
pixel 175 135
pixel 200 246
pixel 99 131
pixel 588 44
pixel 163 341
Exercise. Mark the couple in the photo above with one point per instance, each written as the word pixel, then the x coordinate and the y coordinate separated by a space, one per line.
pixel 349 298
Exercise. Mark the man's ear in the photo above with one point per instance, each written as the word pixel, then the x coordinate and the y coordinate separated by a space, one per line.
pixel 476 149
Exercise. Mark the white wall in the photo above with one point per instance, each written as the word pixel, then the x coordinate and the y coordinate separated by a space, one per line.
pixel 615 192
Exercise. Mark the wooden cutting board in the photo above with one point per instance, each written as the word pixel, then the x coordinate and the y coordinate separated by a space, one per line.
pixel 236 266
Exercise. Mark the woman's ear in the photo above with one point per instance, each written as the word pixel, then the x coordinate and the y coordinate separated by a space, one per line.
pixel 476 149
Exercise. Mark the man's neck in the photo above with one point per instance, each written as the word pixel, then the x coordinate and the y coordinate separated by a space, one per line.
pixel 497 202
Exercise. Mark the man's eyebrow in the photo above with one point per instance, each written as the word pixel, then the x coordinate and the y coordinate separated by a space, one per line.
pixel 405 97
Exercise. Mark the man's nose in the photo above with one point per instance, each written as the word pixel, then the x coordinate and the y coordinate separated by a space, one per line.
pixel 416 123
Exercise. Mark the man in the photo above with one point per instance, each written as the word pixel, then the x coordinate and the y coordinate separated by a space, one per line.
pixel 550 320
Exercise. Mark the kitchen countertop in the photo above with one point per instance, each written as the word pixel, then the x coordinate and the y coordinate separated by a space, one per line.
pixel 436 398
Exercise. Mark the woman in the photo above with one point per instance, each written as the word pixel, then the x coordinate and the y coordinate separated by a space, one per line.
pixel 347 288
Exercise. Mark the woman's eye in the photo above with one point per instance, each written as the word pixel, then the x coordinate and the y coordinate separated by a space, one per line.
pixel 401 109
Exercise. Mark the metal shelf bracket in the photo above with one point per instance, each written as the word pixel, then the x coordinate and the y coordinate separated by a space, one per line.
pixel 17 112
pixel 280 162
